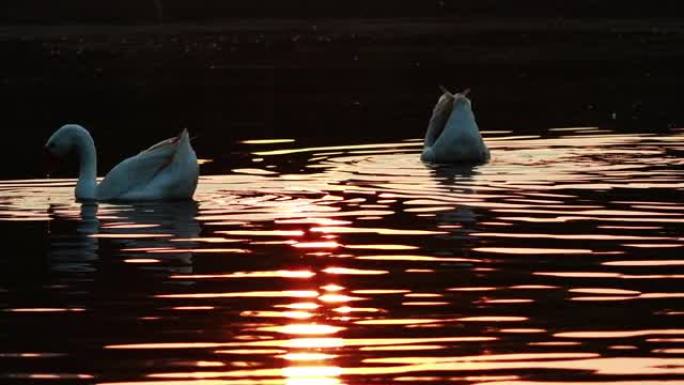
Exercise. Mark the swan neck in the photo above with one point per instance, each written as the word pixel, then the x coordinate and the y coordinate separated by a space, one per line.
pixel 87 177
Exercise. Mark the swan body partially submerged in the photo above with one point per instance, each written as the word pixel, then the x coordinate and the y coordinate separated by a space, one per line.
pixel 166 171
pixel 452 135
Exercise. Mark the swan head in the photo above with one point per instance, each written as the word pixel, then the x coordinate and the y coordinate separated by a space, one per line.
pixel 64 140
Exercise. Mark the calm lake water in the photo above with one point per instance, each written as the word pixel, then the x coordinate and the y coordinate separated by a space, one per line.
pixel 559 262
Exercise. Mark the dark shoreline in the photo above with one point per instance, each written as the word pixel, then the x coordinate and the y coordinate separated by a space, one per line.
pixel 208 11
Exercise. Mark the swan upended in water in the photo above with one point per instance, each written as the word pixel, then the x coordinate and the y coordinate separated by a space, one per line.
pixel 452 135
pixel 166 171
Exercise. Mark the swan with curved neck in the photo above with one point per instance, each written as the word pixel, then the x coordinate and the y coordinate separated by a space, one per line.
pixel 168 170
pixel 453 135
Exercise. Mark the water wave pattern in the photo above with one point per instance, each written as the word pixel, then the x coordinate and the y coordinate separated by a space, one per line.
pixel 559 262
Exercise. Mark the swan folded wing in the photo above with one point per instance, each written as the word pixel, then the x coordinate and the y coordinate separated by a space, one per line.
pixel 173 142
pixel 438 120
pixel 137 171
pixel 460 140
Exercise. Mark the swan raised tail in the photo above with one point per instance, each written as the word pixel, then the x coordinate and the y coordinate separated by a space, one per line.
pixel 166 171
pixel 453 135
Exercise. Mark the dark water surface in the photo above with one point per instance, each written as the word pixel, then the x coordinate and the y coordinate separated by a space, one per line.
pixel 559 262
pixel 329 81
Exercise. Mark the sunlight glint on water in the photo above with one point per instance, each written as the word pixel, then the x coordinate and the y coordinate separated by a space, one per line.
pixel 559 262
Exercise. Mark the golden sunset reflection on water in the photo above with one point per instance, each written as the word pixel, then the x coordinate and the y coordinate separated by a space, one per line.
pixel 559 262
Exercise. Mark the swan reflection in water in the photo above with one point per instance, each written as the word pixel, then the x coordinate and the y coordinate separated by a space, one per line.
pixel 132 230
pixel 456 178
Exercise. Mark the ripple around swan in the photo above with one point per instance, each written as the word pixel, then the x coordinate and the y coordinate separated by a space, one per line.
pixel 559 262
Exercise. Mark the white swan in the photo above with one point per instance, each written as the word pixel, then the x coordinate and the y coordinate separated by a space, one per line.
pixel 452 135
pixel 168 170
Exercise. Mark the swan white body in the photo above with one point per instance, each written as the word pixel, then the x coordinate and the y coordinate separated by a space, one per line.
pixel 166 171
pixel 452 135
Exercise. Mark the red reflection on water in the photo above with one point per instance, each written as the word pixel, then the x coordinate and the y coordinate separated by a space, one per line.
pixel 317 245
